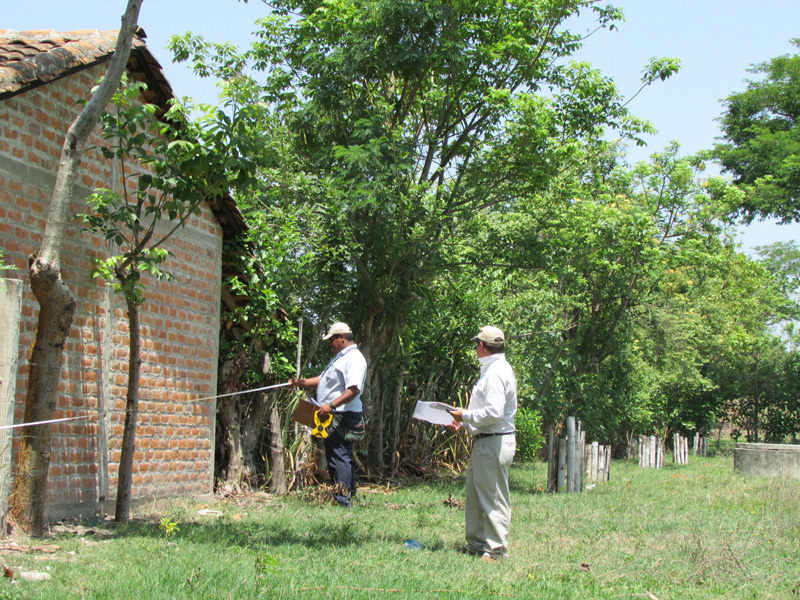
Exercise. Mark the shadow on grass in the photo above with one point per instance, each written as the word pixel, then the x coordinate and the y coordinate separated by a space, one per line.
pixel 269 536
pixel 307 524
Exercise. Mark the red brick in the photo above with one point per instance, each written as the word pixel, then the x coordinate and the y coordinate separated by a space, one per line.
pixel 175 321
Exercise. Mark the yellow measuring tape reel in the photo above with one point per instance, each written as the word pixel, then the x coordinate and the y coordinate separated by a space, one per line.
pixel 321 427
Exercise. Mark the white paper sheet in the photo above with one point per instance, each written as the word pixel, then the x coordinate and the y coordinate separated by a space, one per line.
pixel 433 412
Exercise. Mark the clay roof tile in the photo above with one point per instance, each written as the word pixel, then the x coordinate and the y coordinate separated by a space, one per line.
pixel 32 58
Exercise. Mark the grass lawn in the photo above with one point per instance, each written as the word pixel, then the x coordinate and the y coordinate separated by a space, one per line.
pixel 698 531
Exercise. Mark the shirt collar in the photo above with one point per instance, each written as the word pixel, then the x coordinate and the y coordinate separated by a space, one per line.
pixel 344 351
pixel 487 361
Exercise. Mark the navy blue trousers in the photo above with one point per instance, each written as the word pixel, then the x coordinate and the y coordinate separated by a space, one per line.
pixel 341 467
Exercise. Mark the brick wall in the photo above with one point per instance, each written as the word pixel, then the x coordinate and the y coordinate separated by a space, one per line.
pixel 180 323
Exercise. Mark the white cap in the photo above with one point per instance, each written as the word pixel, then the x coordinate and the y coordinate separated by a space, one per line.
pixel 337 329
pixel 490 335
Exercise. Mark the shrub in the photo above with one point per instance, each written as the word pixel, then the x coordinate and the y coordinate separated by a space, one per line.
pixel 530 438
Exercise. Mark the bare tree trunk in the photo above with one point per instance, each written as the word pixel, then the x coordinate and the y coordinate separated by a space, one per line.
pixel 241 423
pixel 376 437
pixel 229 448
pixel 398 402
pixel 227 443
pixel 57 305
pixel 251 422
pixel 33 460
pixel 372 397
pixel 276 448
pixel 125 474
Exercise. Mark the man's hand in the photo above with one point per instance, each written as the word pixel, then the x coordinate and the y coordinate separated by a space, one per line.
pixel 457 414
pixel 296 383
pixel 324 410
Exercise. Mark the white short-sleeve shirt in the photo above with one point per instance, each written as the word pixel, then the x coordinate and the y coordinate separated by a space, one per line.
pixel 347 369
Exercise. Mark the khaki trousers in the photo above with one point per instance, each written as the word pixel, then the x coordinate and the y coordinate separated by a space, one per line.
pixel 488 500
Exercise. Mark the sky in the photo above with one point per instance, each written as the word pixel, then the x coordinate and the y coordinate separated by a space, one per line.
pixel 717 40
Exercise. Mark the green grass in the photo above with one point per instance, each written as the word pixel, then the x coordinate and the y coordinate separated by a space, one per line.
pixel 695 532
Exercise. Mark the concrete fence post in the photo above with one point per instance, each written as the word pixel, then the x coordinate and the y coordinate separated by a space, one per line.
pixel 10 307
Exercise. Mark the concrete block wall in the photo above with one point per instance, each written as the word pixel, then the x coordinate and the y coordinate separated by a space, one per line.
pixel 767 460
pixel 180 322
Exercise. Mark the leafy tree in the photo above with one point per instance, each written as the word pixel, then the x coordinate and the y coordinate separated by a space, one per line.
pixel 601 240
pixel 170 167
pixel 56 302
pixel 254 350
pixel 782 259
pixel 406 120
pixel 701 332
pixel 760 384
pixel 762 140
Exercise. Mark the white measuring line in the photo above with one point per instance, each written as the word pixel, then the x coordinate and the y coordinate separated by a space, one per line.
pixel 269 387
pixel 46 422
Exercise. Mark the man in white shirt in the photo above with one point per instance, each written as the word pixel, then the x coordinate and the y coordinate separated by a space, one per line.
pixel 489 419
pixel 339 389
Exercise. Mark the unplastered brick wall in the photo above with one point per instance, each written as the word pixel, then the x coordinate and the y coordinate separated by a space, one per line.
pixel 180 322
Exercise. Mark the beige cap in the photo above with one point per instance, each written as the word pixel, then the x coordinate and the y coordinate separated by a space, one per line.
pixel 490 335
pixel 337 329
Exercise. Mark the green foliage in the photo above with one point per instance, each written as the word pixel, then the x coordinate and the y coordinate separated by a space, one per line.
pixel 399 126
pixel 763 392
pixel 5 267
pixel 419 186
pixel 169 166
pixel 263 257
pixel 168 526
pixel 530 438
pixel 632 296
pixel 762 140
pixel 265 565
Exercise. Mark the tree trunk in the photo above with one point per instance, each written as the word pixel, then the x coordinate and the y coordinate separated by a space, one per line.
pixel 276 448
pixel 372 398
pixel 125 473
pixel 228 451
pixel 251 423
pixel 241 423
pixel 57 305
pixel 376 418
pixel 229 448
pixel 394 461
pixel 33 460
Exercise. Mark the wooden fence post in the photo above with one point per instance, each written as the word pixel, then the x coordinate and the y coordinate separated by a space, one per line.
pixel 700 445
pixel 651 452
pixel 680 449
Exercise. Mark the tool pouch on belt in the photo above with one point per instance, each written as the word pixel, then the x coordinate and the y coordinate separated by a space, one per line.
pixel 349 425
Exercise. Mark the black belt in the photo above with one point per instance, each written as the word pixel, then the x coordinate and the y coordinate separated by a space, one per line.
pixel 478 436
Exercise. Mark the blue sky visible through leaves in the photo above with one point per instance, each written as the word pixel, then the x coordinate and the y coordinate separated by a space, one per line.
pixel 716 39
